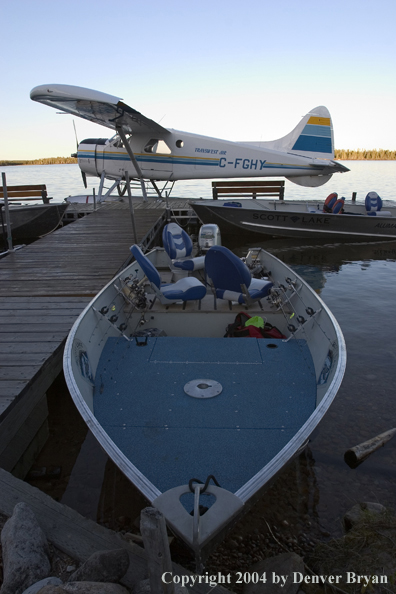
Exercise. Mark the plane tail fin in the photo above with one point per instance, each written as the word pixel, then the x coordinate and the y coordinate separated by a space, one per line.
pixel 312 137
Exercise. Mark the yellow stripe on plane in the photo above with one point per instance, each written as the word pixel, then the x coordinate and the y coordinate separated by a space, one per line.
pixel 319 121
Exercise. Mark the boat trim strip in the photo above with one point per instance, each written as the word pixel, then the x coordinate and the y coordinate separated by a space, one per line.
pixel 317 231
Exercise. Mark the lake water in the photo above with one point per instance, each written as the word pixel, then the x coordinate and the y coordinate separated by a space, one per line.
pixel 363 177
pixel 358 283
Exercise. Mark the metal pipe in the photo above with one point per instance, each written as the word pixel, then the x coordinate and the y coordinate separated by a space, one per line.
pixel 102 178
pixel 7 214
pixel 3 229
pixel 134 162
pixel 168 217
pixel 131 205
pixel 109 191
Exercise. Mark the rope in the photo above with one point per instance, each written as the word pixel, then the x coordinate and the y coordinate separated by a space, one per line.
pixel 194 480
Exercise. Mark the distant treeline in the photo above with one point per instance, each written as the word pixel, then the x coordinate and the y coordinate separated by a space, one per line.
pixel 378 155
pixel 342 154
pixel 49 161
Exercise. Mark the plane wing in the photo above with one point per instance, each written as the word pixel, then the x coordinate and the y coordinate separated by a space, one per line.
pixel 97 107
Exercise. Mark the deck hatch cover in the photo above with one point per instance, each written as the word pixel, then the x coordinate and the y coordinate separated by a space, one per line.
pixel 203 388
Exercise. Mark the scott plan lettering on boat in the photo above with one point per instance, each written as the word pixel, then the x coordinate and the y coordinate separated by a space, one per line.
pixel 147 151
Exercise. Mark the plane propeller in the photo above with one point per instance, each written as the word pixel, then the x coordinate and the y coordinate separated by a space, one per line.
pixel 83 174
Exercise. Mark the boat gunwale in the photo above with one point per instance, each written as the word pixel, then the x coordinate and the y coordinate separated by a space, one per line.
pixel 258 482
pixel 147 488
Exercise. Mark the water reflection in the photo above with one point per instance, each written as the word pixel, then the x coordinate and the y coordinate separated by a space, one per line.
pixel 84 487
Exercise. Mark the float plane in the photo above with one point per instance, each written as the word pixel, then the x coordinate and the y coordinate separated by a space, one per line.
pixel 143 150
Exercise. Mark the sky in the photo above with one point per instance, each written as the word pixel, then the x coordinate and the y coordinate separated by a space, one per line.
pixel 223 68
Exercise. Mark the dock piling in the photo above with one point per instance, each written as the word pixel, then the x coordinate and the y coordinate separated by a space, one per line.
pixel 156 546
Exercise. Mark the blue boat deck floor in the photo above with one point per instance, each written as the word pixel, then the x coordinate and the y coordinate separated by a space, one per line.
pixel 269 391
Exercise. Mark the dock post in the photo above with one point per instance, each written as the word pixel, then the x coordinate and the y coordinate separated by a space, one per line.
pixel 282 191
pixel 128 185
pixel 354 194
pixel 156 545
pixel 7 213
pixel 168 216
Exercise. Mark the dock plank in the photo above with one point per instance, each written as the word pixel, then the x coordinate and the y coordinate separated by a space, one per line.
pixel 9 372
pixel 12 337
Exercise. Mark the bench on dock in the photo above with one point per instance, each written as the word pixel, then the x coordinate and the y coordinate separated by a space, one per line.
pixel 31 192
pixel 248 189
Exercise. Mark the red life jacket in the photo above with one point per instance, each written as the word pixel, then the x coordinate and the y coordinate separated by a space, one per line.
pixel 330 202
pixel 238 329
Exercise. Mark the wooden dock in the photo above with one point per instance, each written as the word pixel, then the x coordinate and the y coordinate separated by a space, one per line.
pixel 43 289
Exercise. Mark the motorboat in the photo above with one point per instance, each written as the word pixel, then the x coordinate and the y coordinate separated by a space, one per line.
pixel 29 222
pixel 335 219
pixel 202 377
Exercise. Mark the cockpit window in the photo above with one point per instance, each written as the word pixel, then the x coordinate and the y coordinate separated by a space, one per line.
pixel 117 142
pixel 156 145
pixel 151 146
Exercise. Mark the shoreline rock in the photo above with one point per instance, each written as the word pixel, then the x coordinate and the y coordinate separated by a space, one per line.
pixel 27 565
pixel 356 513
pixel 103 566
pixel 25 551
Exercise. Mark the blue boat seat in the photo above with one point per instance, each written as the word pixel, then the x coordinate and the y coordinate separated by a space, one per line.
pixel 233 204
pixel 373 204
pixel 178 245
pixel 186 289
pixel 231 278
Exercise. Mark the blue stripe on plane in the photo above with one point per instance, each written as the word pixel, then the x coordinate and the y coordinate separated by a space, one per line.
pixel 315 144
pixel 313 130
pixel 118 157
pixel 152 160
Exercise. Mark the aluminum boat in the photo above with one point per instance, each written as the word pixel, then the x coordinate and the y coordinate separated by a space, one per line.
pixel 203 377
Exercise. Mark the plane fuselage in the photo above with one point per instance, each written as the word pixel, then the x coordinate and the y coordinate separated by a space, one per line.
pixel 183 156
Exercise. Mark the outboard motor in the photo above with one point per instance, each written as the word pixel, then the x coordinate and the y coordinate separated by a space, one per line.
pixel 209 235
